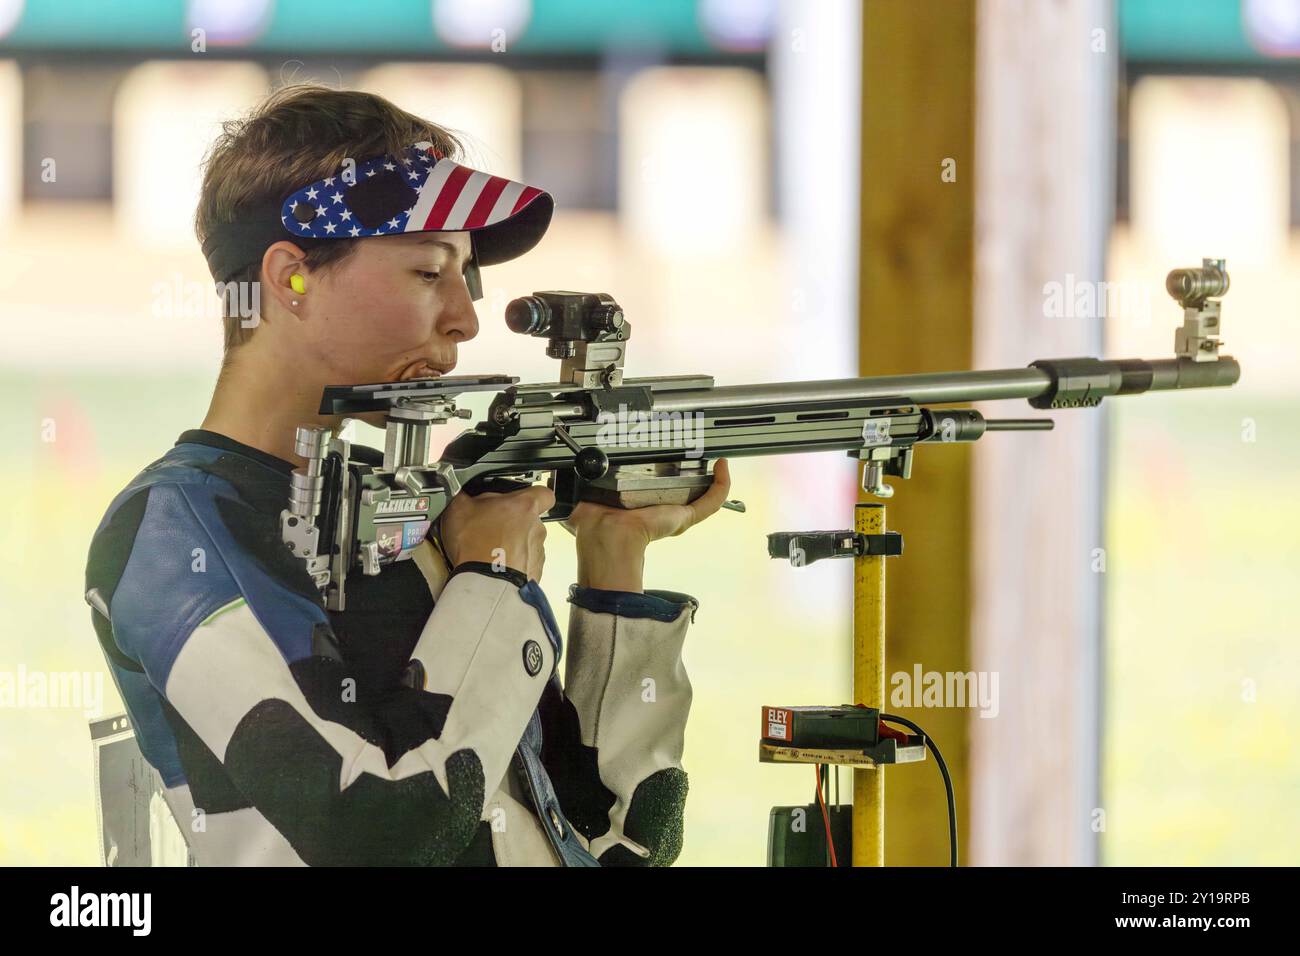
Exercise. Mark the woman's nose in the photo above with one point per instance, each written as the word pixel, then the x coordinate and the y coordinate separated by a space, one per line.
pixel 458 319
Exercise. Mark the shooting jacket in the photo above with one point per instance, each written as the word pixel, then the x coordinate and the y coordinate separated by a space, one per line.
pixel 425 725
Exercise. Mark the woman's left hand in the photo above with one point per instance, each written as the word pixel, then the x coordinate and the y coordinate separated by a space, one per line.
pixel 612 541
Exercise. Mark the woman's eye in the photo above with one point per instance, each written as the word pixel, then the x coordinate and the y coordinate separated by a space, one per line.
pixel 429 276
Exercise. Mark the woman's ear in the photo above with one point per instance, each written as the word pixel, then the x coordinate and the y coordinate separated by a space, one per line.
pixel 285 277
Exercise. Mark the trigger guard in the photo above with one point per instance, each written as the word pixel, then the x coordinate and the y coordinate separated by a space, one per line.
pixel 560 512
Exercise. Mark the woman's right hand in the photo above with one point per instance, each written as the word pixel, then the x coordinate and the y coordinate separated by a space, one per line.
pixel 505 529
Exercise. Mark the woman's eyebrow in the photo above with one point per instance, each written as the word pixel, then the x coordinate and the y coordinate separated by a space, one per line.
pixel 439 242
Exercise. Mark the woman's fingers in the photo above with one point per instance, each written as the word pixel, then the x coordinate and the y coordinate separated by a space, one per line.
pixel 543 498
pixel 709 502
pixel 659 520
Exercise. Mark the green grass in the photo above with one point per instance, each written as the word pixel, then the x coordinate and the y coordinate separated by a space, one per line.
pixel 1203 604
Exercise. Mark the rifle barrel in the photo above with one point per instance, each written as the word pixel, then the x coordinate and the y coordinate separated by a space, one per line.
pixel 1113 377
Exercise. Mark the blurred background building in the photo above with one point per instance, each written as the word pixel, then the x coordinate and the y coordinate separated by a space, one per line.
pixel 717 168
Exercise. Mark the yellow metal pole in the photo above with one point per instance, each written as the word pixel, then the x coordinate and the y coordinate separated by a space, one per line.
pixel 869 684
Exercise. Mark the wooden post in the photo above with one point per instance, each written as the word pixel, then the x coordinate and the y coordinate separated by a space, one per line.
pixel 869 684
pixel 918 131
pixel 1045 158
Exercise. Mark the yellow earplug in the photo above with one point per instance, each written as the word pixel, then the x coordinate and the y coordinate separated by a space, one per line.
pixel 297 283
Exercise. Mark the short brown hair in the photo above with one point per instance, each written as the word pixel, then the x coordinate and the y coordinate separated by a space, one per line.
pixel 300 133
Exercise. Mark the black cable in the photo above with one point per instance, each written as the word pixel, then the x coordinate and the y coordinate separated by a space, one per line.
pixel 822 804
pixel 832 858
pixel 947 782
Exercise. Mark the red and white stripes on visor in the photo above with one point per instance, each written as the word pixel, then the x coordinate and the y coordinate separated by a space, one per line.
pixel 456 197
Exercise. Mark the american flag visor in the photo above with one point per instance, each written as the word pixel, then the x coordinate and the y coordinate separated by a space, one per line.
pixel 418 190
